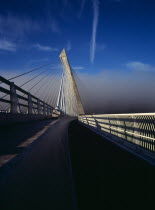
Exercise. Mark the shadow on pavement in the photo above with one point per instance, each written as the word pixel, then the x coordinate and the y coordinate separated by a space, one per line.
pixel 107 177
pixel 14 138
pixel 40 177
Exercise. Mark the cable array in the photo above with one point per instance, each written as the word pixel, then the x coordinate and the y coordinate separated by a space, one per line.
pixel 55 86
pixel 43 84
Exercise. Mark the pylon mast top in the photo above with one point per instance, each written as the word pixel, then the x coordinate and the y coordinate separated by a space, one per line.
pixel 72 82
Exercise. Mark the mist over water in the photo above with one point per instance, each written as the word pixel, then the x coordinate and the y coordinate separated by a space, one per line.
pixel 116 92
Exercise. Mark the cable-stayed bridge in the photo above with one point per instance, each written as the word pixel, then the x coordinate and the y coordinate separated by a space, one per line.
pixel 66 99
pixel 37 108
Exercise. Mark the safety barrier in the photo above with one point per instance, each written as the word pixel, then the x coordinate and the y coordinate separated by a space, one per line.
pixel 137 130
pixel 21 98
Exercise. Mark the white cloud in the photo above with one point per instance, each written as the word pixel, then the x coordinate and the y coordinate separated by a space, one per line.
pixel 139 66
pixel 68 47
pixel 45 48
pixel 78 67
pixel 7 45
pixel 94 30
pixel 14 27
pixel 82 8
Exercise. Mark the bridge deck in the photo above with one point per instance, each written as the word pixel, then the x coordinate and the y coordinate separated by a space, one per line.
pixel 40 176
pixel 106 176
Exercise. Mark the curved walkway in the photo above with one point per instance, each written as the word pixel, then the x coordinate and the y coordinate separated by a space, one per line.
pixel 41 176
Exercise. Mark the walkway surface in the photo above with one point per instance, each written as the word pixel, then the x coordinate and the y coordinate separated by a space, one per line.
pixel 52 168
pixel 40 177
pixel 107 177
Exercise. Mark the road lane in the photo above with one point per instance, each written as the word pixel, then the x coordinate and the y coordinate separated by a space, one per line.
pixel 14 138
pixel 42 179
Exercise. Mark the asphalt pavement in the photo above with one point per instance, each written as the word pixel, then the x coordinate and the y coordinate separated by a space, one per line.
pixel 106 176
pixel 39 177
pixel 62 165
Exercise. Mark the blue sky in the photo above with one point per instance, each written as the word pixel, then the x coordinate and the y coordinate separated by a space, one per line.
pixel 99 34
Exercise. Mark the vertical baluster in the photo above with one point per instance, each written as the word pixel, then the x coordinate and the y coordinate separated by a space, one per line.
pixel 39 106
pixel 44 108
pixel 30 104
pixel 13 98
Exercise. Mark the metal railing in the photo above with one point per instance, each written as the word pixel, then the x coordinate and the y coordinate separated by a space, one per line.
pixel 136 129
pixel 19 98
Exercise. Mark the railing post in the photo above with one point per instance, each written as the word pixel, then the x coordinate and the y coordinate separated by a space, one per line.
pixel 87 121
pixel 48 111
pixel 51 111
pixel 39 106
pixel 97 125
pixel 109 125
pixel 49 108
pixel 13 98
pixel 125 130
pixel 44 108
pixel 30 104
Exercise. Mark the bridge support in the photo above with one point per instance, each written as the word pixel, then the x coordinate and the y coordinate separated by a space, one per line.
pixel 30 104
pixel 13 99
pixel 51 111
pixel 39 106
pixel 69 101
pixel 48 110
pixel 44 109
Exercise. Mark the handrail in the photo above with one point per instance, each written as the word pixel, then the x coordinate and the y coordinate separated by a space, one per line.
pixel 42 107
pixel 136 129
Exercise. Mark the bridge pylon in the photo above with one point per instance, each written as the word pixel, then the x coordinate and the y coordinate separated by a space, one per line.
pixel 69 101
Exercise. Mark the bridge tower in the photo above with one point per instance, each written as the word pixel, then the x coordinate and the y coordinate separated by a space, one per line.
pixel 69 101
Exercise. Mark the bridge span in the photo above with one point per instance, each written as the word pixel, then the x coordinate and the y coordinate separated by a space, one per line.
pixel 62 164
pixel 55 156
